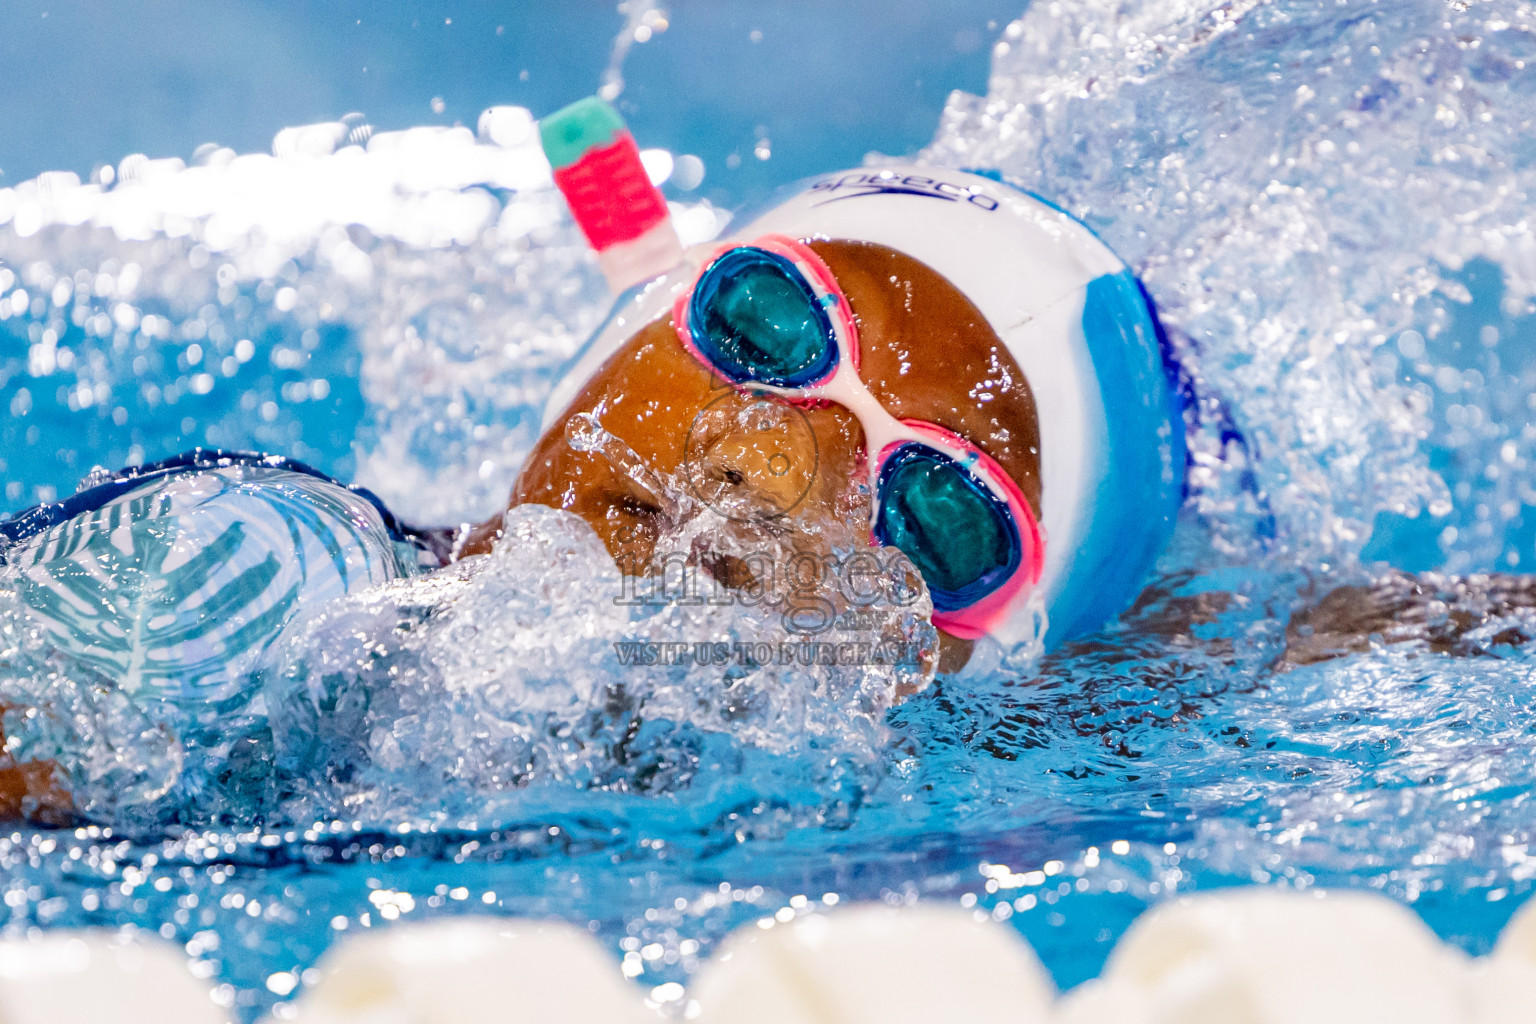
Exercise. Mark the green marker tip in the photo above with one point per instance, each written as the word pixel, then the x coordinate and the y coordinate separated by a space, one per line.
pixel 570 132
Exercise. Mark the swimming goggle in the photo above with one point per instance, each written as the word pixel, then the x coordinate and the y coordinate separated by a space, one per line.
pixel 770 316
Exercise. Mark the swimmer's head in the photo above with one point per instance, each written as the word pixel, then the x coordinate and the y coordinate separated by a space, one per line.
pixel 972 359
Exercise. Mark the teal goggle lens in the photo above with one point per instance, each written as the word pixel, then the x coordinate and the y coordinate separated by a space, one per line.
pixel 959 534
pixel 755 318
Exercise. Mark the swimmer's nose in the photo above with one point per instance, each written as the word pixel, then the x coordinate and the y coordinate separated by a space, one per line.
pixel 758 461
pixel 768 471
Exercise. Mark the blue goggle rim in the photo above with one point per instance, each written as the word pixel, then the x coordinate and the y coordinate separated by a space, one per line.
pixel 985 584
pixel 727 268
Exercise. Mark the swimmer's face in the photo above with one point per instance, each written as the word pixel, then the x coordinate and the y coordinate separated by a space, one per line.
pixel 926 353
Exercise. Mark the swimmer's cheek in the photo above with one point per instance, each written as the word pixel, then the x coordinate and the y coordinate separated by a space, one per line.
pixel 954 652
pixel 35 792
pixel 631 527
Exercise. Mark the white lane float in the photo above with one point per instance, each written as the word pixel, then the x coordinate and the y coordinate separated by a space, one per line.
pixel 1239 956
pixel 875 963
pixel 1504 983
pixel 461 970
pixel 1268 956
pixel 94 976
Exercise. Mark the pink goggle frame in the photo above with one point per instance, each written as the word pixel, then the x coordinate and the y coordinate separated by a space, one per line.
pixel 884 434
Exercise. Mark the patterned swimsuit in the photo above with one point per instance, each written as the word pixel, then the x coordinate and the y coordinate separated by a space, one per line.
pixel 172 579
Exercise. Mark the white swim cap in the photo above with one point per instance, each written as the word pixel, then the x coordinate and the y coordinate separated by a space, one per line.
pixel 1075 320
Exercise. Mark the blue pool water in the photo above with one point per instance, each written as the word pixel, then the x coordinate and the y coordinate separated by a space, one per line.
pixel 1329 203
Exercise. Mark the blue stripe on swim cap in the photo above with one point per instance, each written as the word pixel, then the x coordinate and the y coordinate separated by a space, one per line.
pixel 1137 500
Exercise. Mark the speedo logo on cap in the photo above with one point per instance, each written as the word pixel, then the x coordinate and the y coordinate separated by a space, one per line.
pixel 888 183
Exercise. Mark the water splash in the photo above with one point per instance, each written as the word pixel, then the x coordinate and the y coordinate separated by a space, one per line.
pixel 445 698
pixel 585 433
pixel 643 19
pixel 392 307
pixel 1297 184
